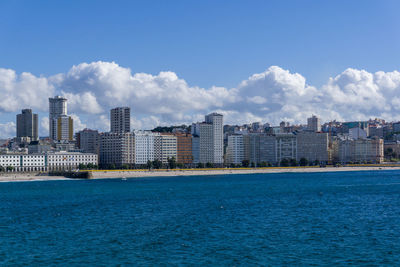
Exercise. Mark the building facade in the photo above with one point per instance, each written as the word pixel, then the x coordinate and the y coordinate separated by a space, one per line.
pixel 23 162
pixel 27 125
pixel 169 147
pixel 216 120
pixel 65 128
pixel 203 147
pixel 117 149
pixel 235 149
pixel 313 146
pixel 361 151
pixel 46 162
pixel 210 146
pixel 184 148
pixel 57 107
pixel 69 160
pixel 147 147
pixel 286 147
pixel 120 120
pixel 314 124
pixel 88 140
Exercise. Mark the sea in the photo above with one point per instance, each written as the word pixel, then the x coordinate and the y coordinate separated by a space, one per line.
pixel 290 219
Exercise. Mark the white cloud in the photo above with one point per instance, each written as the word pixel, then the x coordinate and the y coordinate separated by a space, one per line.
pixel 85 102
pixel 7 129
pixel 276 94
pixel 44 126
pixel 78 124
pixel 23 91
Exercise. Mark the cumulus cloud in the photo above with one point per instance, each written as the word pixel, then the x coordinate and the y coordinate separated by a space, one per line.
pixel 85 102
pixel 276 94
pixel 360 94
pixel 22 91
pixel 78 124
pixel 44 126
pixel 7 129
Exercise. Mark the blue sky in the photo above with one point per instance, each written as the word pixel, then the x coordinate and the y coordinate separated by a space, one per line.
pixel 205 43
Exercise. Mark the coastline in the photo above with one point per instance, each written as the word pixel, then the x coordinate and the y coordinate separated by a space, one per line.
pixel 110 174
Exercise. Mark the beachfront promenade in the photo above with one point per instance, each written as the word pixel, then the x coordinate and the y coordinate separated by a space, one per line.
pixel 141 173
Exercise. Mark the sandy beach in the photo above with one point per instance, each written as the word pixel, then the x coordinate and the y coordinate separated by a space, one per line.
pixel 108 174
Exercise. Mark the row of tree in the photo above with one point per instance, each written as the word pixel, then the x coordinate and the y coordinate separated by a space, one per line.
pixel 8 168
pixel 89 166
pixel 391 155
pixel 284 163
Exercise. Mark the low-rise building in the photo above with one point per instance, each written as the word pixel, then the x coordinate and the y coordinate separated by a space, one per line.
pixel 23 162
pixel 69 160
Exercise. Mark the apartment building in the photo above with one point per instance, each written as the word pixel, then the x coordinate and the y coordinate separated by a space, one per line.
pixel 117 149
pixel 184 148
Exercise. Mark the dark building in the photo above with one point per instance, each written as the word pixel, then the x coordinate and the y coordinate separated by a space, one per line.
pixel 27 125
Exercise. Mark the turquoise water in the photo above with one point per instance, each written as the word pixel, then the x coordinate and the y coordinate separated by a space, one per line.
pixel 350 218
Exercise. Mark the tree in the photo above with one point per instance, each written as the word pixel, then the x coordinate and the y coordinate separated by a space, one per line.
pixel 284 163
pixel 111 166
pixel 10 168
pixel 180 165
pixel 149 164
pixel 1 169
pixel 200 165
pixel 263 164
pixel 303 162
pixel 82 166
pixel 125 166
pixel 157 164
pixel 245 163
pixel 209 165
pixel 316 162
pixel 253 165
pixel 172 163
pixel 90 166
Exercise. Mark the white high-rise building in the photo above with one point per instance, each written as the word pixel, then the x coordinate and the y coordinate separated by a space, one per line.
pixel 218 136
pixel 120 120
pixel 65 128
pixel 57 107
pixel 314 124
pixel 60 124
pixel 145 146
pixel 209 148
pixel 168 147
pixel 235 149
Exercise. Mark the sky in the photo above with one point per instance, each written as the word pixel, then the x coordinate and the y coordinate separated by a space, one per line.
pixel 173 62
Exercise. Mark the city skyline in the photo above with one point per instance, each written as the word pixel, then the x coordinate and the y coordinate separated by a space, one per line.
pixel 87 112
pixel 312 122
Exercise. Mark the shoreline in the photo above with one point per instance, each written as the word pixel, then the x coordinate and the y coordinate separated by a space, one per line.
pixel 118 174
